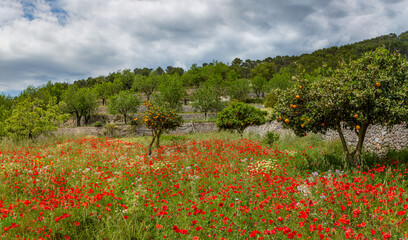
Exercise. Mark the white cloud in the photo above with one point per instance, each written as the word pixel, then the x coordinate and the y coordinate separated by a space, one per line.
pixel 73 39
pixel 9 11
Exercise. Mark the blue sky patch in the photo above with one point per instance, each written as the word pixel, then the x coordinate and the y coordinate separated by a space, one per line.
pixel 29 9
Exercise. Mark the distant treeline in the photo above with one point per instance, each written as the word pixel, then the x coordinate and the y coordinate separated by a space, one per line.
pixel 235 80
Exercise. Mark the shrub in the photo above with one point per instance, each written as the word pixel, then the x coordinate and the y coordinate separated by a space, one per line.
pixel 98 124
pixel 238 116
pixel 270 138
pixel 110 130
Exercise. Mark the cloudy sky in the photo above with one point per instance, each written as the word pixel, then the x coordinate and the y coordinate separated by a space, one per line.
pixel 67 40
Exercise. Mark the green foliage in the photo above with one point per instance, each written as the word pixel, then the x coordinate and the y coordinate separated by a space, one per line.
pixel 79 102
pixel 143 71
pixel 160 118
pixel 265 69
pixel 124 79
pixel 147 85
pixel 98 124
pixel 105 90
pixel 31 118
pixel 45 92
pixel 238 89
pixel 280 80
pixel 194 76
pixel 170 70
pixel 124 102
pixel 6 106
pixel 171 91
pixel 206 99
pixel 250 100
pixel 270 138
pixel 370 90
pixel 238 116
pixel 258 85
pixel 110 130
pixel 271 99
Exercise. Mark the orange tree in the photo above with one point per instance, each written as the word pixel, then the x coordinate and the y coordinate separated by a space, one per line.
pixel 160 118
pixel 369 90
pixel 238 116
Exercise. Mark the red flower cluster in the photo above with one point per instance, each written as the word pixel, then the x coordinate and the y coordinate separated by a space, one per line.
pixel 194 190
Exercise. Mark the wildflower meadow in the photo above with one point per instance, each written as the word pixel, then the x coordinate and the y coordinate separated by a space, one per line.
pixel 101 188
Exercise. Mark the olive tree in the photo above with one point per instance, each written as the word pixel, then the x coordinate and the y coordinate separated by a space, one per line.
pixel 80 102
pixel 124 102
pixel 369 90
pixel 31 118
pixel 147 84
pixel 171 91
pixel 206 99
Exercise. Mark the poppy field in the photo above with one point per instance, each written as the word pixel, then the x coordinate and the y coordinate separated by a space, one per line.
pixel 98 188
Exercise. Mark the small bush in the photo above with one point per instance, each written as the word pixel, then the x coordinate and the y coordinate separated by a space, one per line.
pixel 270 138
pixel 254 100
pixel 271 99
pixel 110 130
pixel 98 124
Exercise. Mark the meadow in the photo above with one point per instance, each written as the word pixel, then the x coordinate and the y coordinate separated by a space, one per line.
pixel 199 187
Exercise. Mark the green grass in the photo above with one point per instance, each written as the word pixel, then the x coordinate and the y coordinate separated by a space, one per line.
pixel 207 171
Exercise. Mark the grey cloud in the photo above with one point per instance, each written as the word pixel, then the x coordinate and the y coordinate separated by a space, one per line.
pixel 73 39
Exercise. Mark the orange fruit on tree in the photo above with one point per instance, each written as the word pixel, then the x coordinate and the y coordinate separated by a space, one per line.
pixel 357 127
pixel 287 120
pixel 297 96
pixel 300 87
pixel 322 124
pixel 378 84
pixel 356 115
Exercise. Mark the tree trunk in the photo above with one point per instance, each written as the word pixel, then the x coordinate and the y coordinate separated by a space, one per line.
pixel 357 153
pixel 87 117
pixel 103 101
pixel 151 144
pixel 78 118
pixel 343 142
pixel 124 116
pixel 158 139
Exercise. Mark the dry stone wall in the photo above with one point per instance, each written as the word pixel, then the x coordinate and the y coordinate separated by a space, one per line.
pixel 378 139
pixel 128 131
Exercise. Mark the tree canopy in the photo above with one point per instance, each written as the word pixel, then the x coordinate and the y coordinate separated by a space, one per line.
pixel 124 103
pixel 31 118
pixel 238 116
pixel 370 90
pixel 80 102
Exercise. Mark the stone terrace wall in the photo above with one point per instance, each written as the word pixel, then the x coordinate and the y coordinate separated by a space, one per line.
pixel 127 131
pixel 378 139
